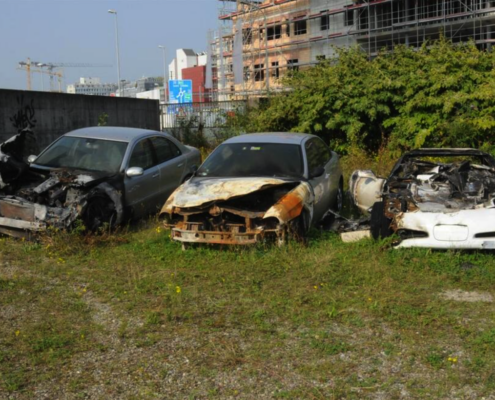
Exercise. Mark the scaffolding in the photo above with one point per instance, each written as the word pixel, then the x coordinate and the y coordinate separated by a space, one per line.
pixel 270 37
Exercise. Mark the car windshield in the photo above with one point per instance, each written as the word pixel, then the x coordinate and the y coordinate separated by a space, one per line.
pixel 85 154
pixel 254 159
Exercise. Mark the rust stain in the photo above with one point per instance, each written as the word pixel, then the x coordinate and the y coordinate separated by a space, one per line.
pixel 289 207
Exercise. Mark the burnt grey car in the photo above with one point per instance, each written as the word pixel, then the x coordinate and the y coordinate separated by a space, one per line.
pixel 254 187
pixel 99 175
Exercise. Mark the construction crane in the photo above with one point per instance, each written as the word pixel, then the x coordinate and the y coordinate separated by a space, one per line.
pixel 26 66
pixel 51 70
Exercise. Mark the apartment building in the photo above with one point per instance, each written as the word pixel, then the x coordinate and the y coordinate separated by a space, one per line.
pixel 261 40
pixel 92 87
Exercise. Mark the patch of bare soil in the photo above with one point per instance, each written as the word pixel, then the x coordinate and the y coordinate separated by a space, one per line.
pixel 469 297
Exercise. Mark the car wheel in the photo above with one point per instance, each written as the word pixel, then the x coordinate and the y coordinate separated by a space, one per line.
pixel 379 223
pixel 298 228
pixel 99 212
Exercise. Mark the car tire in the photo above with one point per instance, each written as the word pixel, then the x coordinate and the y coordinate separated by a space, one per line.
pixel 379 223
pixel 99 211
pixel 298 228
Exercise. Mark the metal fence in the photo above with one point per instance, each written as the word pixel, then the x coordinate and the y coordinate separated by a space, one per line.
pixel 205 115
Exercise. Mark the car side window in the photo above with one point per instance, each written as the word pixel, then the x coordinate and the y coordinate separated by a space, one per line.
pixel 142 155
pixel 317 153
pixel 165 149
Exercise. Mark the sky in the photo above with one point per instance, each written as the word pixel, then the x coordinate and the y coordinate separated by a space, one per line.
pixel 82 31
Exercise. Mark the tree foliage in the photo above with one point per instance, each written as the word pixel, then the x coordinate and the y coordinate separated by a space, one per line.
pixel 442 94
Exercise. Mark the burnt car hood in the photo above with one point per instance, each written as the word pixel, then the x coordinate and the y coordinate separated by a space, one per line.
pixel 204 191
pixel 252 196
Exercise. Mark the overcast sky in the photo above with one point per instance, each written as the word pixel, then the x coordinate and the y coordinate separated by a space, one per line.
pixel 82 31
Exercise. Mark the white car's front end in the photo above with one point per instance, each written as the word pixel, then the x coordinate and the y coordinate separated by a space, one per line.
pixel 465 229
pixel 433 198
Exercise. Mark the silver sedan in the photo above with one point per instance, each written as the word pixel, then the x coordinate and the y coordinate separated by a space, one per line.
pixel 100 175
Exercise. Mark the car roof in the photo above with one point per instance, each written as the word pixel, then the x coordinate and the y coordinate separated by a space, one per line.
pixel 112 133
pixel 271 137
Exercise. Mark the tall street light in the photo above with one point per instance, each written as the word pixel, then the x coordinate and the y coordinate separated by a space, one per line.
pixel 165 80
pixel 117 46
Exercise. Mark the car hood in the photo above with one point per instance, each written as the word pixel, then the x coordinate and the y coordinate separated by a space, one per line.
pixel 198 191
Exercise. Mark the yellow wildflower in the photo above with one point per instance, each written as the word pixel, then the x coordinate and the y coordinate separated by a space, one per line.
pixel 178 289
pixel 17 332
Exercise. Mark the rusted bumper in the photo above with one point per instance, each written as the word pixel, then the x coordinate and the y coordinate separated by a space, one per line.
pixel 212 237
pixel 236 235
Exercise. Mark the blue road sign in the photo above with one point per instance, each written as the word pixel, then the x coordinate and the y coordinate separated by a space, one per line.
pixel 180 91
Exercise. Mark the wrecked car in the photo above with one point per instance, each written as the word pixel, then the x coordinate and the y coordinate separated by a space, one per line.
pixel 99 175
pixel 434 198
pixel 255 187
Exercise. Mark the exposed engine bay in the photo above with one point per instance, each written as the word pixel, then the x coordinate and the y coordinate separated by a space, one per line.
pixel 235 211
pixel 439 187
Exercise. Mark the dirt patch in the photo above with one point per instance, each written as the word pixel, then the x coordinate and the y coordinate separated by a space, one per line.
pixel 470 297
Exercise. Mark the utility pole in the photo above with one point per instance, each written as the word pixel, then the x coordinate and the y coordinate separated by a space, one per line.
pixel 117 47
pixel 165 80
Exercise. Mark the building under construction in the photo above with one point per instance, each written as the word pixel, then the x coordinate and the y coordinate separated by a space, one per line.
pixel 258 41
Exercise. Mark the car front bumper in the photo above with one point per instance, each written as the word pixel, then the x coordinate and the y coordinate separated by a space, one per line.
pixel 466 229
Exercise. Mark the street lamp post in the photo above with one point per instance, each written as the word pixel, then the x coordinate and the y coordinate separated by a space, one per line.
pixel 165 80
pixel 117 47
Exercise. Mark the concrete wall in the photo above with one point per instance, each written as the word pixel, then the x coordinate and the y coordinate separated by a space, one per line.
pixel 53 114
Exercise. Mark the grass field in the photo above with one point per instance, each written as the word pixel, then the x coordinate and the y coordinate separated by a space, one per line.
pixel 132 316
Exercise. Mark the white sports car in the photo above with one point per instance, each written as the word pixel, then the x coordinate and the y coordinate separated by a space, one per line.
pixel 434 198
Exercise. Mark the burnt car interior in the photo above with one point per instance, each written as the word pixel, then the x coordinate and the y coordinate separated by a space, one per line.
pixel 84 154
pixel 254 159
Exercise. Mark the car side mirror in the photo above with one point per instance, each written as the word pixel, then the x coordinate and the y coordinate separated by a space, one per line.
pixel 31 159
pixel 134 171
pixel 194 169
pixel 317 172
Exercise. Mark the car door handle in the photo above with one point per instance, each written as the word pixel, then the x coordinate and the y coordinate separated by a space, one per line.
pixel 180 165
pixel 155 175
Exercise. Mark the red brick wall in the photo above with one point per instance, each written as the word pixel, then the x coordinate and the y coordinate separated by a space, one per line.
pixel 198 77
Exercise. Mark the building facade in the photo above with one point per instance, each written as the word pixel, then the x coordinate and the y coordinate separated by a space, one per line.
pixel 198 77
pixel 131 89
pixel 92 86
pixel 185 58
pixel 261 40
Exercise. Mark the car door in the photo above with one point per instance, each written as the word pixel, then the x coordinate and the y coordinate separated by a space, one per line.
pixel 142 191
pixel 172 164
pixel 319 155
